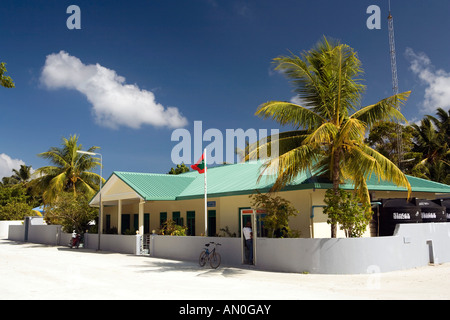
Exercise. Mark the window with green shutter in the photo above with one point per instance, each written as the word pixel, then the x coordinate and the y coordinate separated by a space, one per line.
pixel 162 218
pixel 190 217
pixel 176 217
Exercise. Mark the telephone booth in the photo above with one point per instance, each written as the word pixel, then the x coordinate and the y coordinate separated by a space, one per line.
pixel 254 216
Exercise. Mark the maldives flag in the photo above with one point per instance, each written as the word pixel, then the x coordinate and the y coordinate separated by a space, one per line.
pixel 200 166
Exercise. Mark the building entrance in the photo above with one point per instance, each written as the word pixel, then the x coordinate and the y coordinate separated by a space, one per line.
pixel 251 218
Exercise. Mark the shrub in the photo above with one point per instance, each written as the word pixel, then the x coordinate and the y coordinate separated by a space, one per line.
pixel 170 228
pixel 345 210
pixel 15 211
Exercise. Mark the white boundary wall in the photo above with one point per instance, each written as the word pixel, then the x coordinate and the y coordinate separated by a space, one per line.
pixel 16 233
pixel 53 235
pixel 189 248
pixel 4 227
pixel 129 244
pixel 413 245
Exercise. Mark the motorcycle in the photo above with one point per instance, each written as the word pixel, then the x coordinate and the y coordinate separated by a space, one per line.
pixel 75 241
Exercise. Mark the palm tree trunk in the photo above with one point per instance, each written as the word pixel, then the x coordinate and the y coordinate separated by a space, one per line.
pixel 336 180
pixel 74 180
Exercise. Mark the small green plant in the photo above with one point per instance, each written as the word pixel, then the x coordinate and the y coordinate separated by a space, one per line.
pixel 112 230
pixel 345 209
pixel 129 232
pixel 170 228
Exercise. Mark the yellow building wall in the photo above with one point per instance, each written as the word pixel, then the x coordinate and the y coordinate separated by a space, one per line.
pixel 227 210
pixel 118 188
pixel 156 207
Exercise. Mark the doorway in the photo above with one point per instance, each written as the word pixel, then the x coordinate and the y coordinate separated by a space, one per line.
pixel 253 216
pixel 211 223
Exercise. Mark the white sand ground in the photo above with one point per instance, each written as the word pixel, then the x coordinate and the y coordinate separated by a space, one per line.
pixel 33 271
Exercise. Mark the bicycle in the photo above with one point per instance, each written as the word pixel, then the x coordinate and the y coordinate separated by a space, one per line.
pixel 212 256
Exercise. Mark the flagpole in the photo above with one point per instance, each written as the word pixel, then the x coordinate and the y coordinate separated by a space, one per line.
pixel 206 201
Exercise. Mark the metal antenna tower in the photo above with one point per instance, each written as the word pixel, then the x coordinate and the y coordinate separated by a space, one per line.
pixel 395 84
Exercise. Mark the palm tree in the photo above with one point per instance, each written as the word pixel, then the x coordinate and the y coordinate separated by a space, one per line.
pixel 428 141
pixel 383 137
pixel 431 141
pixel 327 138
pixel 71 171
pixel 23 175
pixel 442 122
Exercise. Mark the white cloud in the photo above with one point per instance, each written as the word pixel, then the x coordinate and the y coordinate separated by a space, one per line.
pixel 437 92
pixel 114 102
pixel 7 164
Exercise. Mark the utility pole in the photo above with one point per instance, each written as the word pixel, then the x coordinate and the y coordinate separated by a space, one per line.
pixel 399 129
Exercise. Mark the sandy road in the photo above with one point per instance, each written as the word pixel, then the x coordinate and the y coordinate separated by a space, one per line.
pixel 33 271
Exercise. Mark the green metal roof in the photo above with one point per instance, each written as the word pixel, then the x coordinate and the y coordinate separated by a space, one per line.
pixel 242 178
pixel 374 184
pixel 152 186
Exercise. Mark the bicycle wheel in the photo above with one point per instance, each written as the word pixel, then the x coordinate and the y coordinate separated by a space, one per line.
pixel 202 259
pixel 214 261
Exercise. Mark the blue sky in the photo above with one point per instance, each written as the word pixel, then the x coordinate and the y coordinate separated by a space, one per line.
pixel 147 67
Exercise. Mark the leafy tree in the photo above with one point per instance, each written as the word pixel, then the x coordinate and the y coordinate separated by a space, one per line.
pixel 19 183
pixel 5 81
pixel 383 138
pixel 278 211
pixel 71 171
pixel 71 211
pixel 425 145
pixel 16 200
pixel 6 181
pixel 13 193
pixel 15 210
pixel 181 168
pixel 343 209
pixel 328 139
